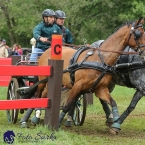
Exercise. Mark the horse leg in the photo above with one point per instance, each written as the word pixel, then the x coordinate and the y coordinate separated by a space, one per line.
pixel 137 96
pixel 64 96
pixel 115 127
pixel 103 93
pixel 72 95
pixel 69 120
pixel 44 93
pixel 109 115
pixel 39 90
pixel 24 120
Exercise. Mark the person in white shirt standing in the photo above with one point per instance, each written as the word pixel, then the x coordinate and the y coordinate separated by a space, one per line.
pixel 3 50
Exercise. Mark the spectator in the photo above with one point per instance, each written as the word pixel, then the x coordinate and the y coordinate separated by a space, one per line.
pixel 3 52
pixel 6 46
pixel 16 49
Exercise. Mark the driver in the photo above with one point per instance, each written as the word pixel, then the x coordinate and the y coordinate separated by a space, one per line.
pixel 43 33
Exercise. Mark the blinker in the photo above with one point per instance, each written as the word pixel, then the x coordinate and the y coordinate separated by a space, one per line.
pixel 137 34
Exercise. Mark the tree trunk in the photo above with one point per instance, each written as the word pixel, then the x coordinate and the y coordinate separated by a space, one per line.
pixel 8 21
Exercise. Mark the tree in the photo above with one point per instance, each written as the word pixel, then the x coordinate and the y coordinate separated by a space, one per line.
pixel 87 19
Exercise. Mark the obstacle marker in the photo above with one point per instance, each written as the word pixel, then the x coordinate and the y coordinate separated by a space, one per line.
pixel 56 47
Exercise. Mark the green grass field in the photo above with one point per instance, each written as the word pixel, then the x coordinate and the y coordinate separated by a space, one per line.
pixel 93 132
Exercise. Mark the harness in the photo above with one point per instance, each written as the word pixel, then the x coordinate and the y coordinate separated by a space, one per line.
pixel 101 66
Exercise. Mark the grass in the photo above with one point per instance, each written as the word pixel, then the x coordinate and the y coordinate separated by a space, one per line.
pixel 93 132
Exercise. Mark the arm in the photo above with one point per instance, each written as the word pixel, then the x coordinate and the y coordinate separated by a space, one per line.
pixel 37 33
pixel 20 51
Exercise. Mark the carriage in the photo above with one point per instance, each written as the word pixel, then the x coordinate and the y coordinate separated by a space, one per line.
pixel 20 83
pixel 95 74
pixel 23 82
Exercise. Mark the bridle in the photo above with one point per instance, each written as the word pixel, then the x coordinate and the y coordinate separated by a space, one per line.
pixel 137 35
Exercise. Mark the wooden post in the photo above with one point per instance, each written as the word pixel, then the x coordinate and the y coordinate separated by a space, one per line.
pixel 54 94
pixel 15 58
pixel 54 83
pixel 89 97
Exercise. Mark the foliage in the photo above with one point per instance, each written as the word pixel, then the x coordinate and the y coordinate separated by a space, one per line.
pixel 87 19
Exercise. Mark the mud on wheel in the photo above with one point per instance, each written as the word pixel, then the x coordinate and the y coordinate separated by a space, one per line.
pixel 80 110
pixel 12 115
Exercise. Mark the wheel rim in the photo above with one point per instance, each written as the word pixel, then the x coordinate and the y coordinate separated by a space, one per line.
pixel 12 115
pixel 80 111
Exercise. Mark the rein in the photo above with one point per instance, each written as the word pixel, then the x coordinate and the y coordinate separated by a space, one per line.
pixel 66 44
pixel 114 51
pixel 72 45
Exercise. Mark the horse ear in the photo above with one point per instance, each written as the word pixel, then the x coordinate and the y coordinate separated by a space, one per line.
pixel 141 20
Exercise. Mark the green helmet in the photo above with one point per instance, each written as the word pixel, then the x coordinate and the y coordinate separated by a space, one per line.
pixel 47 13
pixel 60 14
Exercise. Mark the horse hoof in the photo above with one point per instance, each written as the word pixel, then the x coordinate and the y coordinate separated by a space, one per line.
pixel 109 124
pixel 68 124
pixel 33 124
pixel 114 131
pixel 24 125
pixel 35 120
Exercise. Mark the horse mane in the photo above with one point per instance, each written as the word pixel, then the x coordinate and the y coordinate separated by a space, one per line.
pixel 124 24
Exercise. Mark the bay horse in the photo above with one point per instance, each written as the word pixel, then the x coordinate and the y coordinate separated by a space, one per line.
pixel 93 68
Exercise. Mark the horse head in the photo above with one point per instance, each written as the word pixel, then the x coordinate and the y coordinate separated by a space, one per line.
pixel 136 39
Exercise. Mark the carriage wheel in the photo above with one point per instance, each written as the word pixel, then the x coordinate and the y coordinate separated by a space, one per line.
pixel 12 115
pixel 80 110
